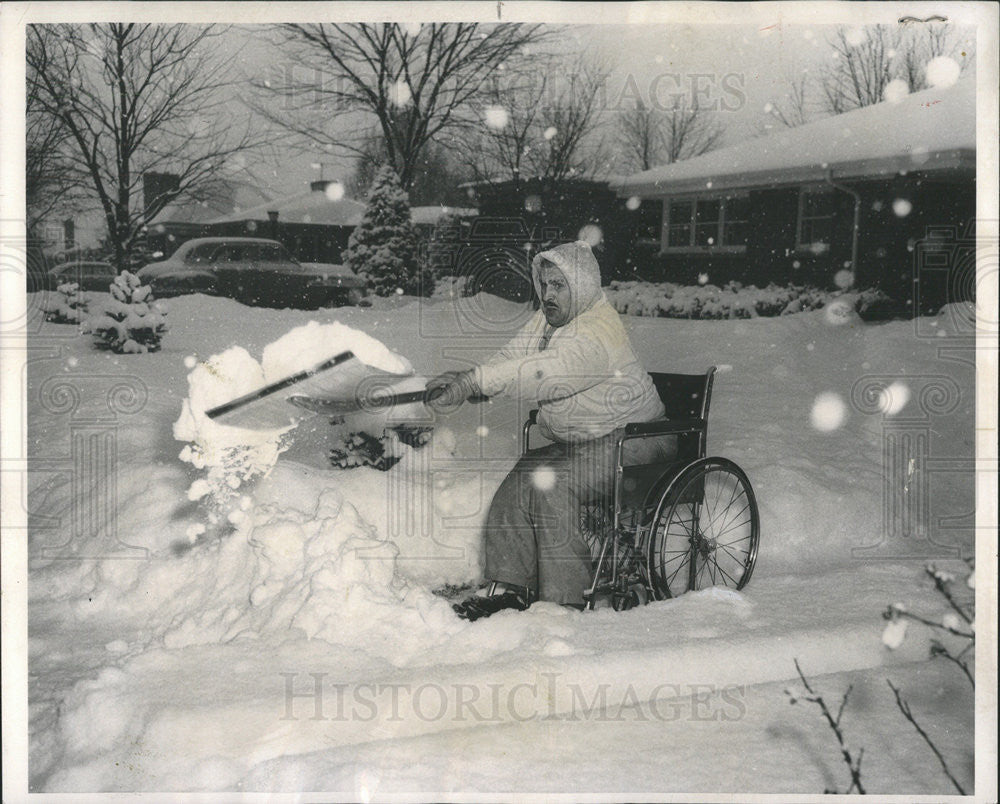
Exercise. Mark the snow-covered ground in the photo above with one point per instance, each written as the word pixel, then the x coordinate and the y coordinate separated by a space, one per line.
pixel 279 633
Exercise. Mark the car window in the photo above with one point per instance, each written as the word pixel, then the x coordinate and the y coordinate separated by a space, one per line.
pixel 268 253
pixel 200 254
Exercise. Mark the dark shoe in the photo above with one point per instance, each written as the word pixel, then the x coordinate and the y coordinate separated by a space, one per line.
pixel 473 608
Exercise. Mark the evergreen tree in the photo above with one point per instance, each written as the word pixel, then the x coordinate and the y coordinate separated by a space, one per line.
pixel 132 322
pixel 384 248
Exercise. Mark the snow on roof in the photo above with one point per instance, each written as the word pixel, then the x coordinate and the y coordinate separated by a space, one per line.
pixel 930 130
pixel 307 207
pixel 432 214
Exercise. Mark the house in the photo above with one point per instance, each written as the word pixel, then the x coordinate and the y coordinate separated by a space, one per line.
pixel 181 220
pixel 314 225
pixel 864 191
pixel 556 211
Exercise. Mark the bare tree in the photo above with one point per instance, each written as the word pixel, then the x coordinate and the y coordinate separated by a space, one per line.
pixel 499 148
pixel 863 61
pixel 570 114
pixel 689 131
pixel 641 137
pixel 652 137
pixel 541 123
pixel 416 81
pixel 52 180
pixel 795 108
pixel 137 99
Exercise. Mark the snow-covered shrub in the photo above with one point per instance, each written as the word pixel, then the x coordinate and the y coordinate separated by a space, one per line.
pixel 384 247
pixel 131 322
pixel 733 300
pixel 67 306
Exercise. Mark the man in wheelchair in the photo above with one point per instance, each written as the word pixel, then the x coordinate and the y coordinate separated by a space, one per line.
pixel 574 359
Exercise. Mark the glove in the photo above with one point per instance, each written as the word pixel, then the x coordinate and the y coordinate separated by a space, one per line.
pixel 447 392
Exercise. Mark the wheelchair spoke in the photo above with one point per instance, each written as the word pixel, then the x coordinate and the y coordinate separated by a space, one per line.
pixel 724 511
pixel 741 538
pixel 731 578
pixel 738 513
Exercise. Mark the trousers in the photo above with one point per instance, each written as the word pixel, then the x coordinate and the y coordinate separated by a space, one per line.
pixel 532 535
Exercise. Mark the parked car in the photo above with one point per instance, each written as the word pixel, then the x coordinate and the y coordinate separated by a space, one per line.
pixel 353 287
pixel 90 275
pixel 249 269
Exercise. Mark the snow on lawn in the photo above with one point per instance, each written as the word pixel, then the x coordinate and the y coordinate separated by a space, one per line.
pixel 181 651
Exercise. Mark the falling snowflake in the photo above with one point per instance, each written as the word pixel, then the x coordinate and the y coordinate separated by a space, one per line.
pixel 942 71
pixel 633 203
pixel 496 117
pixel 902 207
pixel 482 431
pixel 893 398
pixel 334 191
pixel 894 634
pixel 399 291
pixel 591 234
pixel 550 132
pixel 702 279
pixel 843 279
pixel 544 478
pixel 400 93
pixel 190 362
pixel 828 412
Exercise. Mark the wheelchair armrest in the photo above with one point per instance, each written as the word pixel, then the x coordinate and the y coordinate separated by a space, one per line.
pixel 666 427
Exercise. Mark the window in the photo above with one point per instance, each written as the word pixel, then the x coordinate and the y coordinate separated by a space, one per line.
pixel 707 223
pixel 650 221
pixel 679 228
pixel 816 213
pixel 735 222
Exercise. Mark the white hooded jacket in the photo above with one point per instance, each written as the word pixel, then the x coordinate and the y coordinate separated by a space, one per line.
pixel 586 380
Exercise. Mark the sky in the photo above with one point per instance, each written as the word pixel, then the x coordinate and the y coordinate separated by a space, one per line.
pixel 740 67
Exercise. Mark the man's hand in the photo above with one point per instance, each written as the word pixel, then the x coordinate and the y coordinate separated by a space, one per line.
pixel 447 392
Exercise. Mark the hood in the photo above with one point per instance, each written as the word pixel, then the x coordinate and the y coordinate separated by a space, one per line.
pixel 579 266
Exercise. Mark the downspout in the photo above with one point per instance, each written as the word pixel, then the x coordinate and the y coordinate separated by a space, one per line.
pixel 857 221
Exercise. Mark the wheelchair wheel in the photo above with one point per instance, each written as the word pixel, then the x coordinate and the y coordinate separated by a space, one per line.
pixel 705 530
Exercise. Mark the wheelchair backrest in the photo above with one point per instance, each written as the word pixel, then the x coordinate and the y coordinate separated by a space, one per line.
pixel 685 396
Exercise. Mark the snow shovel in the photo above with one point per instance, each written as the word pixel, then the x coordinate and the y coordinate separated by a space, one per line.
pixel 332 386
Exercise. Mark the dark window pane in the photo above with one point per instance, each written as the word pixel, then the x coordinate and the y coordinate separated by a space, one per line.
pixel 679 235
pixel 735 233
pixel 708 211
pixel 737 209
pixel 706 234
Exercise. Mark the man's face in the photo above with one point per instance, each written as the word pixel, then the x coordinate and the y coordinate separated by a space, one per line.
pixel 555 295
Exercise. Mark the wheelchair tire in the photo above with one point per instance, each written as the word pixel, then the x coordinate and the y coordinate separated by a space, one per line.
pixel 705 531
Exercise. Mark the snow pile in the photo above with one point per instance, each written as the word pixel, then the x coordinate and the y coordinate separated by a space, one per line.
pixel 733 300
pixel 232 456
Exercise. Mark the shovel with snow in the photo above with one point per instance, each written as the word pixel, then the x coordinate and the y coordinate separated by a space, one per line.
pixel 338 386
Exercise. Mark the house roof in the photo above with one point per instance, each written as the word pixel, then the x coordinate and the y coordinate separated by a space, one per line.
pixel 307 207
pixel 232 194
pixel 930 130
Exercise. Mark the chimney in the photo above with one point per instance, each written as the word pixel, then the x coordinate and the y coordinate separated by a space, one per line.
pixel 319 186
pixel 272 216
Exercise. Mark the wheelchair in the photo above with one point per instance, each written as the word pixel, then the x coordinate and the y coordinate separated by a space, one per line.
pixel 668 528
